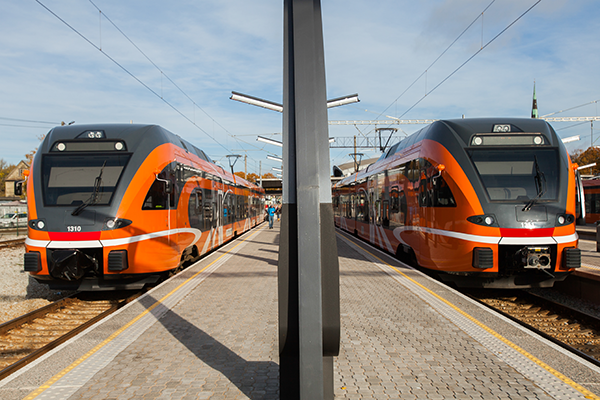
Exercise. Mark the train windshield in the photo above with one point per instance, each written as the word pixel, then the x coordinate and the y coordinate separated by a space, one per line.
pixel 72 180
pixel 518 175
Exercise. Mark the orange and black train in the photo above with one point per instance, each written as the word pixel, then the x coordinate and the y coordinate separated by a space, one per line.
pixel 487 202
pixel 117 206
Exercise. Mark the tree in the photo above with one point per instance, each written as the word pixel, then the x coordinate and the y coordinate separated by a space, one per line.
pixel 252 177
pixel 268 175
pixel 589 156
pixel 29 156
pixel 240 174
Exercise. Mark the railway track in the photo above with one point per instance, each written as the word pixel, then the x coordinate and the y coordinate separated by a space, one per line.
pixel 30 336
pixel 11 242
pixel 572 329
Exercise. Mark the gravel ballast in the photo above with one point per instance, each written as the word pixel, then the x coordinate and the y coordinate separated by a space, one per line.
pixel 19 293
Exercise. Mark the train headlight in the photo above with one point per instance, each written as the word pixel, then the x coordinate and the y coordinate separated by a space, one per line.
pixel 484 220
pixel 37 224
pixel 61 147
pixel 564 219
pixel 538 140
pixel 115 223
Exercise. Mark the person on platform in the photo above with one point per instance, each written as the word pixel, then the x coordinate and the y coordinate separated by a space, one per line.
pixel 271 212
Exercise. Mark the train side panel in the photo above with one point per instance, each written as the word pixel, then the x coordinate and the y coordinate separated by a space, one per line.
pixel 168 207
pixel 460 198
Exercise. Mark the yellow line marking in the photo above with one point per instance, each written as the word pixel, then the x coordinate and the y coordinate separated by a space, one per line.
pixel 568 381
pixel 65 371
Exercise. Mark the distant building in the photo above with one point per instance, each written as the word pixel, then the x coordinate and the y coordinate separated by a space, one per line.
pixel 14 176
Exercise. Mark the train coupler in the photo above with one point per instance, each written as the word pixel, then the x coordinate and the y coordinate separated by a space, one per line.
pixel 71 264
pixel 536 258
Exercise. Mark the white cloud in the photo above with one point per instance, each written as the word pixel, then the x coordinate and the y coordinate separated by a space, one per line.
pixel 210 48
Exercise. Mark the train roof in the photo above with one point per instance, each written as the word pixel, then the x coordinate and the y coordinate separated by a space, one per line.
pixel 463 129
pixel 140 138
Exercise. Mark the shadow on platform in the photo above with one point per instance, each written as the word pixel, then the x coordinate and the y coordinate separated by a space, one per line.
pixel 256 379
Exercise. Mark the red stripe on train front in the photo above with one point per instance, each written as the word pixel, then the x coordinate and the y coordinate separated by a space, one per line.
pixel 74 236
pixel 542 232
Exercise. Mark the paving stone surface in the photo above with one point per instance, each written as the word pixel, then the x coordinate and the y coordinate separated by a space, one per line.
pixel 220 342
pixel 395 346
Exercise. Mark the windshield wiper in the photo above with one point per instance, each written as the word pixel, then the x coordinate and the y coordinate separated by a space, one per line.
pixel 94 197
pixel 540 185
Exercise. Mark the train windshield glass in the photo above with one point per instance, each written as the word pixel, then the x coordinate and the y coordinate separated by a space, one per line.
pixel 70 180
pixel 518 175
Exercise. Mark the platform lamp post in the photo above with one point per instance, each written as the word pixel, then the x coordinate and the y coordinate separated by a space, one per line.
pixel 308 273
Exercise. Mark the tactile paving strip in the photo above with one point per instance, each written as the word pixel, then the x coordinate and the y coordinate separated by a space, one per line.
pixel 74 377
pixel 552 382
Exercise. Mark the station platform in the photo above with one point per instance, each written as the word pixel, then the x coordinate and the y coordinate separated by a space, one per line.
pixel 590 258
pixel 211 333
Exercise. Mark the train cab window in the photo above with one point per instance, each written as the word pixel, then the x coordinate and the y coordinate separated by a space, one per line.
pixel 411 170
pixel 433 188
pixel 441 195
pixel 159 197
pixel 73 179
pixel 512 175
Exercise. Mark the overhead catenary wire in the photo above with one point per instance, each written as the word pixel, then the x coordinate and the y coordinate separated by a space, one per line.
pixel 31 121
pixel 438 57
pixel 569 109
pixel 158 68
pixel 470 58
pixel 164 74
pixel 140 81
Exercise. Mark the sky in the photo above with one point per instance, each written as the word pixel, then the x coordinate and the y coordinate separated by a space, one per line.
pixel 176 63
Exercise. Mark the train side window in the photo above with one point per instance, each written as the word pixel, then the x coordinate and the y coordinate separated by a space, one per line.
pixel 385 217
pixel 196 213
pixel 403 208
pixel 424 198
pixel 394 201
pixel 208 210
pixel 363 208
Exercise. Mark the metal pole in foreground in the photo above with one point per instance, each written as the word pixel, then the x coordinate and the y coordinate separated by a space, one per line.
pixel 308 274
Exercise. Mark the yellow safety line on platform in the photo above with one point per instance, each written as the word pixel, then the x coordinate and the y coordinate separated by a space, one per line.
pixel 65 371
pixel 565 379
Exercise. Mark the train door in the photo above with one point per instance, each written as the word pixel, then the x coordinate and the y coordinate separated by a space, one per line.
pixel 220 219
pixel 580 200
pixel 371 207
